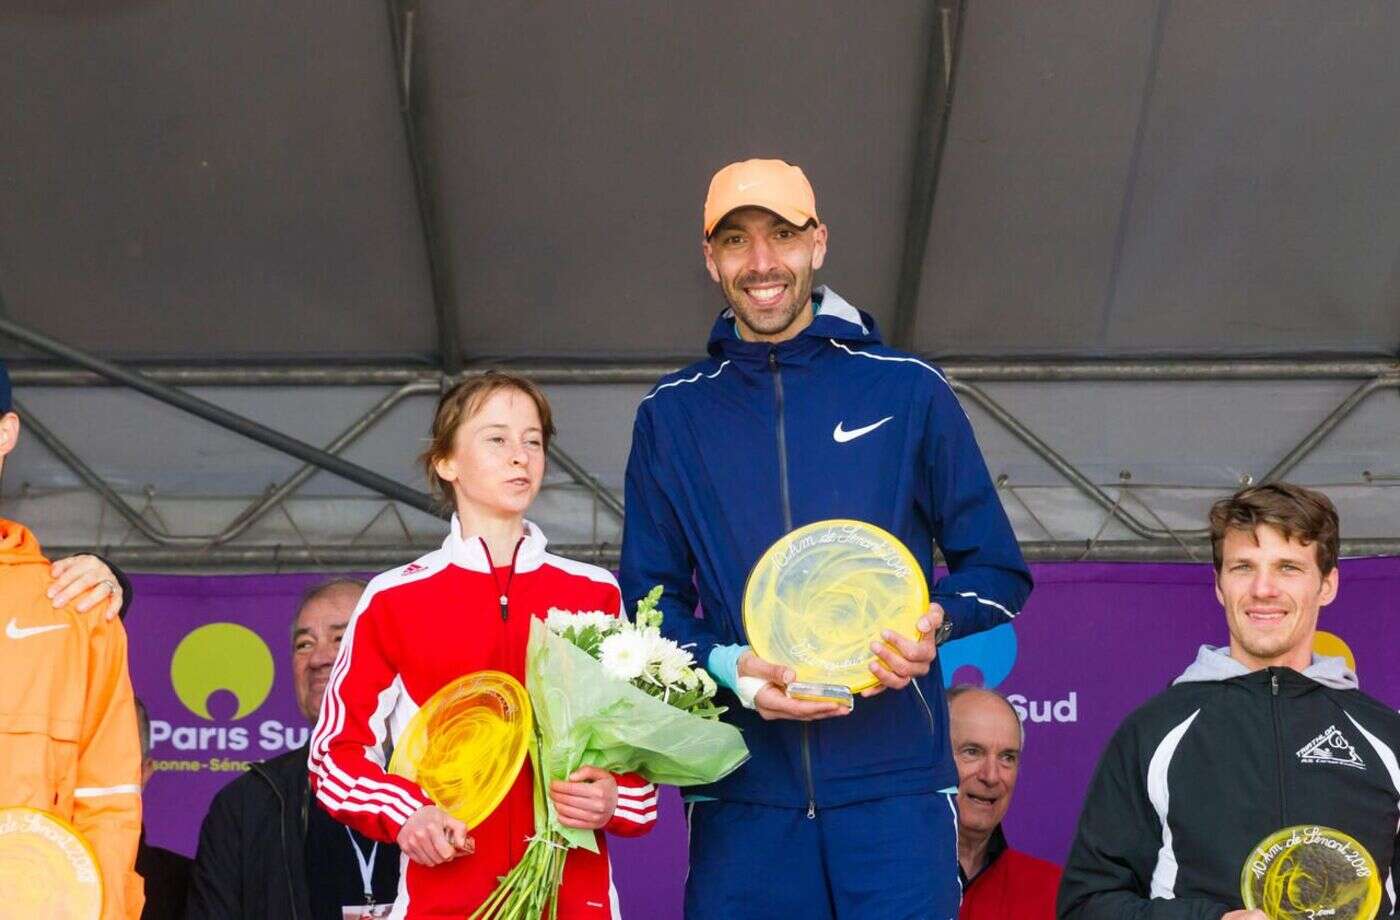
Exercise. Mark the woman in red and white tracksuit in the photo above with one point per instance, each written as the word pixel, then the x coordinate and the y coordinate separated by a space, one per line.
pixel 467 607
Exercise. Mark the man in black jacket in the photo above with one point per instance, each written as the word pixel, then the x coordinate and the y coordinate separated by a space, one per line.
pixel 1254 737
pixel 265 849
pixel 165 872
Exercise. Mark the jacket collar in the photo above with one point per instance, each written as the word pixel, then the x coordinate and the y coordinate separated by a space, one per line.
pixel 996 846
pixel 1215 664
pixel 834 319
pixel 468 553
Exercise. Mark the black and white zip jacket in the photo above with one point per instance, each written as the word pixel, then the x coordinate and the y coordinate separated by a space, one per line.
pixel 1195 778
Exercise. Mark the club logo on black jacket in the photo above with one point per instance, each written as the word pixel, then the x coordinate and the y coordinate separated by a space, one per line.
pixel 1331 747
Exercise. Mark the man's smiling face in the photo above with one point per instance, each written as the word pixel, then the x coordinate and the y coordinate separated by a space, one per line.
pixel 986 736
pixel 765 265
pixel 1272 590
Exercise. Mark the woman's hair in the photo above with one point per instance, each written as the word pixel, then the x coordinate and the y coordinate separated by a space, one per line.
pixel 462 402
pixel 1293 510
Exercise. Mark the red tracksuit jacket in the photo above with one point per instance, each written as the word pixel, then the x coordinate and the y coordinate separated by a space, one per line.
pixel 416 629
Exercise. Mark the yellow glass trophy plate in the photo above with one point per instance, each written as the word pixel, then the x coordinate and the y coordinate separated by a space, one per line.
pixel 821 594
pixel 466 745
pixel 47 869
pixel 1309 871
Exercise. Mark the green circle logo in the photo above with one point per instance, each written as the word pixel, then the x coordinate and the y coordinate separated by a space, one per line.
pixel 221 656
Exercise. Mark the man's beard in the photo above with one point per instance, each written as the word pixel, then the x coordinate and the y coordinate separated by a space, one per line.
pixel 799 289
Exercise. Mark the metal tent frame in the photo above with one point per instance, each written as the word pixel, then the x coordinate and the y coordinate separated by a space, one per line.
pixel 1155 540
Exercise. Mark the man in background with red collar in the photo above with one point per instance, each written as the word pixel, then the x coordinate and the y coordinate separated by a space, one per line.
pixel 68 741
pixel 999 883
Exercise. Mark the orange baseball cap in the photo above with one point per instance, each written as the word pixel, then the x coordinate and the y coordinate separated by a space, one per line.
pixel 769 184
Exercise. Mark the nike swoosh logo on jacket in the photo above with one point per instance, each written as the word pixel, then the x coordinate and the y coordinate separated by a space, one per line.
pixel 840 435
pixel 15 631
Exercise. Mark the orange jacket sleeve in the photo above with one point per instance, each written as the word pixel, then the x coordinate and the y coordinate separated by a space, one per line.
pixel 107 796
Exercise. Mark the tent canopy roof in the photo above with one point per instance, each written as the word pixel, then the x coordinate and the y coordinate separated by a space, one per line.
pixel 215 181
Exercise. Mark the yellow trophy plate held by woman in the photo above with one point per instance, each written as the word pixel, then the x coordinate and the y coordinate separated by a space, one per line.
pixel 466 745
pixel 47 869
pixel 821 594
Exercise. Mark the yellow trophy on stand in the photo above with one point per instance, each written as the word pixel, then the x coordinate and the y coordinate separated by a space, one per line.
pixel 47 869
pixel 466 745
pixel 1309 871
pixel 821 594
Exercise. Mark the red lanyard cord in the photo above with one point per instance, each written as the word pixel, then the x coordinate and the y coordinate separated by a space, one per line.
pixel 491 567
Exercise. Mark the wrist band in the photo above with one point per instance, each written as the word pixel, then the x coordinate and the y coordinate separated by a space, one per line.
pixel 748 688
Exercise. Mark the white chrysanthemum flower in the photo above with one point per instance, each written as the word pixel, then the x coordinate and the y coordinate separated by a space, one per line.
pixel 706 681
pixel 559 620
pixel 659 651
pixel 623 655
pixel 604 622
pixel 675 664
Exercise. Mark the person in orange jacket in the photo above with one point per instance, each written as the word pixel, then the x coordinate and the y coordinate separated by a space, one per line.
pixel 68 739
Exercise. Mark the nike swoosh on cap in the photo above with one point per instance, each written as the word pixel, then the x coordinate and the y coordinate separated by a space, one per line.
pixel 15 631
pixel 840 435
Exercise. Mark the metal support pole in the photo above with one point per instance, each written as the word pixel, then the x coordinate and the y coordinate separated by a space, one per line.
pixel 245 518
pixel 90 478
pixel 1062 466
pixel 586 479
pixel 223 418
pixel 377 556
pixel 1327 425
pixel 364 423
pixel 439 276
pixel 940 78
pixel 549 372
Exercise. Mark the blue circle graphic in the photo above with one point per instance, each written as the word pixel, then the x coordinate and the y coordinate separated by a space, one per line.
pixel 991 654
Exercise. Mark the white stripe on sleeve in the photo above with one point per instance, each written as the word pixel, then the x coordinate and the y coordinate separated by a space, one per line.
pixel 93 792
pixel 1164 873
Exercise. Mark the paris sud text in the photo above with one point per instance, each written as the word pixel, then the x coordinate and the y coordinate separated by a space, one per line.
pixel 272 737
pixel 1061 710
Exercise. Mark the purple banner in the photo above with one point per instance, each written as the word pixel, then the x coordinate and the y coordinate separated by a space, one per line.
pixel 211 657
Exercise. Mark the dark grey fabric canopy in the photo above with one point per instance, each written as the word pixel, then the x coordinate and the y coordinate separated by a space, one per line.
pixel 213 181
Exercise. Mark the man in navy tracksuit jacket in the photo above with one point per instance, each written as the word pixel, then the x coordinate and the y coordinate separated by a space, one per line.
pixel 798 415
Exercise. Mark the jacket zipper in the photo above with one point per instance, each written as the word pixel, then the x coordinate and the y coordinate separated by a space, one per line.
pixel 504 599
pixel 282 830
pixel 787 528
pixel 782 442
pixel 1278 746
pixel 491 567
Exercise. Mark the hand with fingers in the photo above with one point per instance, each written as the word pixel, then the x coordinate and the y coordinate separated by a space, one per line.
pixel 901 659
pixel 433 837
pixel 772 702
pixel 87 579
pixel 1245 915
pixel 587 800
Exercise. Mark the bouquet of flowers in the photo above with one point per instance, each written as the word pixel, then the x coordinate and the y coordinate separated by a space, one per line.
pixel 616 695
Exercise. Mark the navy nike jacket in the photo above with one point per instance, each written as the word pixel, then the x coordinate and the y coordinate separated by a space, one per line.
pixel 733 452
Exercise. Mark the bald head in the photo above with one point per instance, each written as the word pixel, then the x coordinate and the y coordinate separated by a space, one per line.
pixel 990 699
